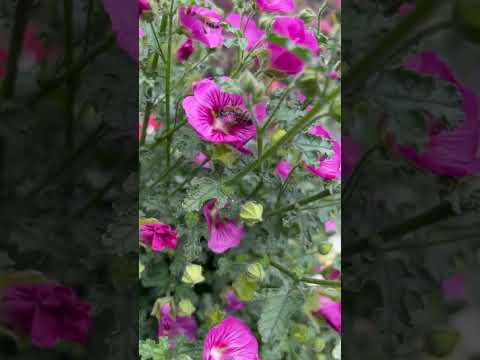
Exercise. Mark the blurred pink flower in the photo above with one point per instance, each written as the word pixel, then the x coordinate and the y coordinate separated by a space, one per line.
pixel 46 312
pixel 230 339
pixel 333 75
pixel 233 302
pixel 331 311
pixel 335 274
pixel 202 24
pixel 153 125
pixel 328 167
pixel 325 26
pixel 273 6
pixel 253 34
pixel 330 225
pixel 277 85
pixel 143 5
pixel 224 233
pixel 283 169
pixel 453 288
pixel 201 159
pixel 447 152
pixel 171 326
pixel 294 29
pixel 217 116
pixel 158 236
pixel 141 32
pixel 185 50
pixel 260 111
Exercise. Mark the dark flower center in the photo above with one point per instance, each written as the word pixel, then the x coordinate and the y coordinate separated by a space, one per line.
pixel 231 116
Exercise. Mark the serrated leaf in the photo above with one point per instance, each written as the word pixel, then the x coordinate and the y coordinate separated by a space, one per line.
pixel 202 190
pixel 276 314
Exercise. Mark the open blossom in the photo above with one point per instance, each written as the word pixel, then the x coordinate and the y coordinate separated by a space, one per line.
pixel 331 311
pixel 230 339
pixel 202 24
pixel 294 29
pixel 158 236
pixel 171 326
pixel 218 116
pixel 273 6
pixel 447 152
pixel 233 302
pixel 224 233
pixel 327 167
pixel 46 312
pixel 249 28
pixel 185 50
pixel 283 169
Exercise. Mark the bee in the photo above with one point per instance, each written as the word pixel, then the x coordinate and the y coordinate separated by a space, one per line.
pixel 206 20
pixel 241 116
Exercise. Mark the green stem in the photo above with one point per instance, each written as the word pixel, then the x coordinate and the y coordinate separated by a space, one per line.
pixel 283 188
pixel 305 201
pixel 277 107
pixel 158 43
pixel 168 73
pixel 15 47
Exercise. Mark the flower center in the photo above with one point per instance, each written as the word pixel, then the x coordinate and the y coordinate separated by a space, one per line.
pixel 229 117
pixel 217 353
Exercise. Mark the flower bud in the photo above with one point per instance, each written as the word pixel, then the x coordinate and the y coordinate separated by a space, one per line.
pixel 256 271
pixel 193 274
pixel 325 248
pixel 309 83
pixel 300 333
pixel 252 212
pixel 185 307
pixel 245 287
pixel 307 15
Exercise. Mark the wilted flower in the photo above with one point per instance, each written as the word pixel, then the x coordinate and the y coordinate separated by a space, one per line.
pixel 283 169
pixel 294 29
pixel 273 6
pixel 331 311
pixel 328 167
pixel 202 24
pixel 231 339
pixel 158 236
pixel 171 326
pixel 185 50
pixel 249 28
pixel 218 116
pixel 233 302
pixel 224 232
pixel 46 312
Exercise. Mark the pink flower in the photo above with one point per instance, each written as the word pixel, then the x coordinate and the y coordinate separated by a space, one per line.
pixel 260 111
pixel 153 125
pixel 171 326
pixel 217 116
pixel 277 85
pixel 335 274
pixel 224 232
pixel 158 236
pixel 141 32
pixel 331 311
pixel 330 225
pixel 231 339
pixel 283 169
pixel 325 26
pixel 143 5
pixel 46 312
pixel 252 33
pixel 333 75
pixel 328 167
pixel 447 152
pixel 202 24
pixel 294 29
pixel 124 18
pixel 201 159
pixel 453 288
pixel 272 6
pixel 185 50
pixel 233 302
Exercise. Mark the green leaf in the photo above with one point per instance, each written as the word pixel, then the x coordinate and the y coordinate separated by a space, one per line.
pixel 276 314
pixel 277 39
pixel 201 190
pixel 151 350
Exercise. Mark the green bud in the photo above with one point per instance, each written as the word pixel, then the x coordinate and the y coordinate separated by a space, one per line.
pixel 324 248
pixel 318 345
pixel 277 135
pixel 252 212
pixel 193 274
pixel 300 333
pixel 245 287
pixel 185 307
pixel 307 15
pixel 214 316
pixel 308 83
pixel 256 271
pixel 467 16
pixel 441 342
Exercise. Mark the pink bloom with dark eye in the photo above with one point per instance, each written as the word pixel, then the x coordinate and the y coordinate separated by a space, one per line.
pixel 185 50
pixel 283 169
pixel 224 233
pixel 230 339
pixel 171 326
pixel 294 29
pixel 453 288
pixel 202 24
pixel 158 236
pixel 276 6
pixel 447 152
pixel 143 5
pixel 218 116
pixel 249 28
pixel 202 159
pixel 327 167
pixel 330 225
pixel 46 312
pixel 331 311
pixel 233 302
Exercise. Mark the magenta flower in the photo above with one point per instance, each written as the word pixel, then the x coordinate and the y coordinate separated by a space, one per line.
pixel 333 75
pixel 451 153
pixel 330 225
pixel 233 302
pixel 202 24
pixel 158 236
pixel 202 159
pixel 260 110
pixel 331 311
pixel 454 289
pixel 224 232
pixel 253 34
pixel 185 50
pixel 327 167
pixel 171 326
pixel 143 5
pixel 46 312
pixel 294 29
pixel 217 116
pixel 283 169
pixel 273 6
pixel 231 339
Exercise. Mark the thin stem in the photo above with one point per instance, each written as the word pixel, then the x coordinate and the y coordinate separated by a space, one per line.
pixel 277 107
pixel 284 185
pixel 15 47
pixel 158 43
pixel 168 74
pixel 305 201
